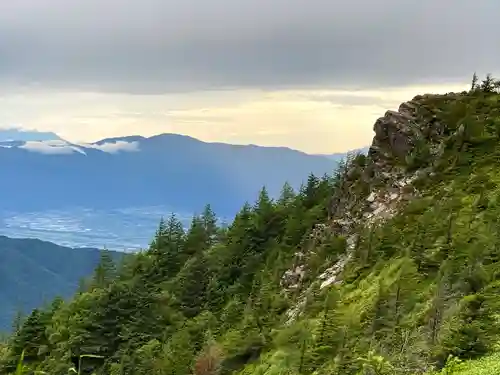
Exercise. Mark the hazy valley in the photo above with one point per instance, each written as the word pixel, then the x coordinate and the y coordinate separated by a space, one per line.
pixel 112 193
pixel 126 229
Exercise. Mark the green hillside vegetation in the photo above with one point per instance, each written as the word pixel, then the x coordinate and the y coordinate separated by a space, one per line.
pixel 489 365
pixel 390 266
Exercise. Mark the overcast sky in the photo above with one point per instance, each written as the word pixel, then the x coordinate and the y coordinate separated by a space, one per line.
pixel 309 74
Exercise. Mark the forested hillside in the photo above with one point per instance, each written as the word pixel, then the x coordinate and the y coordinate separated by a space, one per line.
pixel 33 272
pixel 391 266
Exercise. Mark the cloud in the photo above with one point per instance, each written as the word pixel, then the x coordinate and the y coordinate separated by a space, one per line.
pixel 160 46
pixel 61 147
pixel 51 147
pixel 312 75
pixel 314 121
pixel 115 147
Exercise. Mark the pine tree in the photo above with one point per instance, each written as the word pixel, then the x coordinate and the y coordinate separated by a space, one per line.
pixel 160 237
pixel 438 303
pixel 168 249
pixel 169 234
pixel 488 84
pixel 105 272
pixel 381 316
pixel 474 82
pixel 17 322
pixel 197 238
pixel 328 337
pixel 30 337
pixel 209 220
pixel 474 333
pixel 287 195
pixel 174 231
pixel 266 222
pixel 191 285
pixel 309 191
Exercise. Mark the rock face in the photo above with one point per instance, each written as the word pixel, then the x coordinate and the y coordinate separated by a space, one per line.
pixel 291 278
pixel 398 132
pixel 393 133
pixel 373 188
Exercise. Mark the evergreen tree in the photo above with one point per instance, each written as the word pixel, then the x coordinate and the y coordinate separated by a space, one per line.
pixel 488 84
pixel 474 82
pixel 309 191
pixel 168 248
pixel 17 322
pixel 474 332
pixel 191 286
pixel 210 225
pixel 287 195
pixel 105 272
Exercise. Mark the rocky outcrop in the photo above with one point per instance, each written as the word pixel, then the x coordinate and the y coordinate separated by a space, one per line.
pixel 397 132
pixel 292 278
pixel 373 188
pixel 393 134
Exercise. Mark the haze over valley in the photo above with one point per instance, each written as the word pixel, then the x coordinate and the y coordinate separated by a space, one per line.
pixel 113 192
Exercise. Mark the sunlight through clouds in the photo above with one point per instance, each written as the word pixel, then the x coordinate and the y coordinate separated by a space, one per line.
pixel 314 121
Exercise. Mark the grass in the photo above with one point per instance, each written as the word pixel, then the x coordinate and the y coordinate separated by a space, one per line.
pixel 489 365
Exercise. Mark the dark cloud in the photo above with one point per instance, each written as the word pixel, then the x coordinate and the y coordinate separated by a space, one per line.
pixel 166 45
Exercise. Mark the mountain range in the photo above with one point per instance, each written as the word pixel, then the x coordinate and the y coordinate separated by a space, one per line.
pixel 34 272
pixel 14 134
pixel 41 171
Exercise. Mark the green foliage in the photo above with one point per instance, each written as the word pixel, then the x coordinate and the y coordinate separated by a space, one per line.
pixel 489 365
pixel 414 293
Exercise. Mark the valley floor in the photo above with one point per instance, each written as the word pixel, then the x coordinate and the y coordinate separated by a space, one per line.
pixel 124 229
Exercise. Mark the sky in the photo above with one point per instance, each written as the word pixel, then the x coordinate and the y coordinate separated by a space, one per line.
pixel 312 75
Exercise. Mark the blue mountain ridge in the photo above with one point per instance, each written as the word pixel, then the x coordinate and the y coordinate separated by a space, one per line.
pixel 34 272
pixel 168 169
pixel 22 135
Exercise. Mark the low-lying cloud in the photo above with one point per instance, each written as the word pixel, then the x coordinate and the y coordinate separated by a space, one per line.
pixel 115 147
pixel 63 148
pixel 50 147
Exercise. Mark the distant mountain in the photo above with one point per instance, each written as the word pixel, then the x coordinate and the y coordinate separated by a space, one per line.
pixel 341 155
pixel 33 272
pixel 168 169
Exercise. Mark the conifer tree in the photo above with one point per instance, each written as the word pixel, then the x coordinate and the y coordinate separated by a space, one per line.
pixel 309 191
pixel 210 224
pixel 17 322
pixel 474 82
pixel 105 272
pixel 287 195
pixel 168 249
pixel 488 84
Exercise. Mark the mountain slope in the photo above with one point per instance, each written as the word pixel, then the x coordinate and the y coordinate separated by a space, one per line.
pixel 34 272
pixel 25 136
pixel 167 169
pixel 390 266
